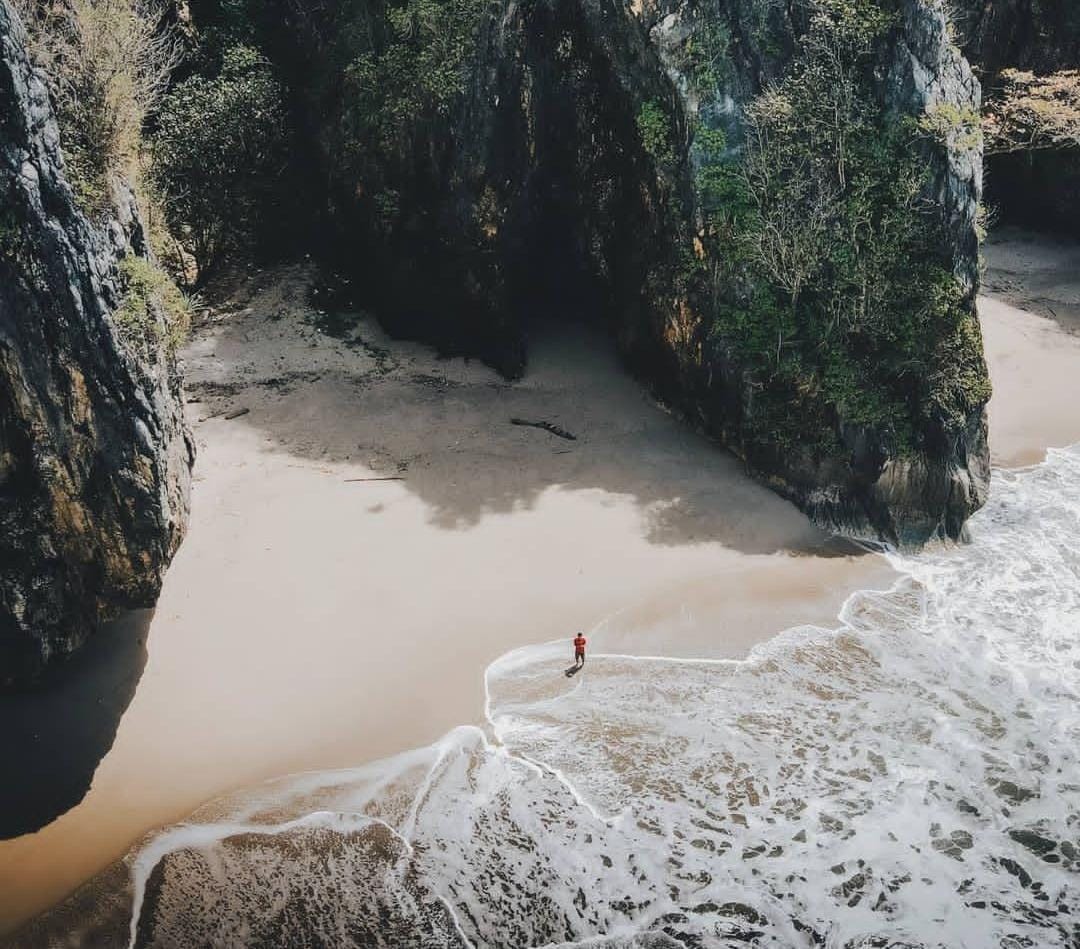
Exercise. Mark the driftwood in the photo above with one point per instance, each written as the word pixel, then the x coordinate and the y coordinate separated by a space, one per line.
pixel 386 478
pixel 236 413
pixel 547 427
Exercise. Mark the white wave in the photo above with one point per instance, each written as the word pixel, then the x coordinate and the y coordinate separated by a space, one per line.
pixel 910 775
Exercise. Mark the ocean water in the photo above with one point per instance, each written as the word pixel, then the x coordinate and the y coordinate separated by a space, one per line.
pixel 907 779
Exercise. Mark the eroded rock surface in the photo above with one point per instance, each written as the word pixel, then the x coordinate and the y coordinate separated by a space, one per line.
pixel 495 162
pixel 94 453
pixel 1035 184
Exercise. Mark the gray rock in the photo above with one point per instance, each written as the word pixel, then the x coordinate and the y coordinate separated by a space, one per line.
pixel 537 177
pixel 95 456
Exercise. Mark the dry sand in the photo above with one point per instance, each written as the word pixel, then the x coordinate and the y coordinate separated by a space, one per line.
pixel 1030 316
pixel 312 621
pixel 1036 273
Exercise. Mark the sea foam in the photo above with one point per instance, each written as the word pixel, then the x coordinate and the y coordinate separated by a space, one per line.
pixel 908 778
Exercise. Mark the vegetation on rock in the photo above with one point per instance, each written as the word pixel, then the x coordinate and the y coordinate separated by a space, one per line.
pixel 1030 113
pixel 107 63
pixel 654 127
pixel 219 147
pixel 403 72
pixel 153 314
pixel 830 278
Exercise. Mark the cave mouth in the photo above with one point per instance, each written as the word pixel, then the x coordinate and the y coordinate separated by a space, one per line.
pixel 536 199
pixel 1016 188
pixel 587 208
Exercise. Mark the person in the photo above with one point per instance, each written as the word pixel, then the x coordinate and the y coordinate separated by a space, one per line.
pixel 579 650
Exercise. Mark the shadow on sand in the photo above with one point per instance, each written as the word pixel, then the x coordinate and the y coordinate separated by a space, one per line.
pixel 450 430
pixel 55 733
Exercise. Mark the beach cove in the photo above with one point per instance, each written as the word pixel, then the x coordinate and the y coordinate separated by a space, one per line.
pixel 289 635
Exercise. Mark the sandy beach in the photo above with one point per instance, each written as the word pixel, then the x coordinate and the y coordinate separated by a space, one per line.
pixel 1030 314
pixel 372 531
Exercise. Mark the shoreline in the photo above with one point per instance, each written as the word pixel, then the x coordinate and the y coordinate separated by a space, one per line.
pixel 304 611
pixel 285 640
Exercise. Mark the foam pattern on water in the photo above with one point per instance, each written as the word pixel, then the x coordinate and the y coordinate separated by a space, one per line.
pixel 908 779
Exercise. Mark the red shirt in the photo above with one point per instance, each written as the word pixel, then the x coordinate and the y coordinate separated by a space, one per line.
pixel 579 644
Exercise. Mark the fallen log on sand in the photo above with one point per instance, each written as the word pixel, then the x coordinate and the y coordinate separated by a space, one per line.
pixel 547 427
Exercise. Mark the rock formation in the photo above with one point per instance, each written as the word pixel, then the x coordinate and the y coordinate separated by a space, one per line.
pixel 1040 35
pixel 94 454
pixel 771 205
pixel 1035 184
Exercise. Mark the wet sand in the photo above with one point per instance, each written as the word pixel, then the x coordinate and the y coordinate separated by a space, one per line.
pixel 312 621
pixel 315 621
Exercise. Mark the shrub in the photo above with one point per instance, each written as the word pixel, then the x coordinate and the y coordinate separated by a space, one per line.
pixel 833 277
pixel 107 63
pixel 154 315
pixel 1032 112
pixel 415 67
pixel 654 127
pixel 956 128
pixel 403 68
pixel 705 55
pixel 218 153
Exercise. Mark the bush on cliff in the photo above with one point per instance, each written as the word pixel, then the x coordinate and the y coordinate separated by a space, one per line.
pixel 1030 112
pixel 831 279
pixel 107 63
pixel 154 315
pixel 410 72
pixel 219 152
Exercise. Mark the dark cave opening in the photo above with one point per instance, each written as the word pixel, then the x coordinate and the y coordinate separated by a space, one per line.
pixel 535 200
pixel 1017 194
pixel 589 205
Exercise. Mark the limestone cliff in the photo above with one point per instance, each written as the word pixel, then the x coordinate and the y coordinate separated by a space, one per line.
pixel 771 205
pixel 1032 183
pixel 94 453
pixel 1040 35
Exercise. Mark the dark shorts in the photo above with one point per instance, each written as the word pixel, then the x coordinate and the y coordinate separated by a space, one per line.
pixel 580 654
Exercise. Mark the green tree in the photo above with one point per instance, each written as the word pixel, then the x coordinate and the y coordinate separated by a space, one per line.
pixel 844 296
pixel 219 152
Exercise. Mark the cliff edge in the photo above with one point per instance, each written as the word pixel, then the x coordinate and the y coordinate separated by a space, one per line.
pixel 94 453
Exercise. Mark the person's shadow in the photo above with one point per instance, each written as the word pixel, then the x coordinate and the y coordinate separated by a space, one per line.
pixel 573 671
pixel 54 733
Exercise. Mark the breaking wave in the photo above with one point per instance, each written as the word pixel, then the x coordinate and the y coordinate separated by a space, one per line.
pixel 909 778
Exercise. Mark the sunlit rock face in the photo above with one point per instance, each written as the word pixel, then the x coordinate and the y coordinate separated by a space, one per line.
pixel 94 453
pixel 616 160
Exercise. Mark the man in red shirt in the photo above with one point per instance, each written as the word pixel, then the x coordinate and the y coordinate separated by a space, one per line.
pixel 579 650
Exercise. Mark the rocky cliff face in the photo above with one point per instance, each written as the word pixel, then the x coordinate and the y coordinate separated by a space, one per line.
pixel 94 453
pixel 772 206
pixel 1040 35
pixel 1036 186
